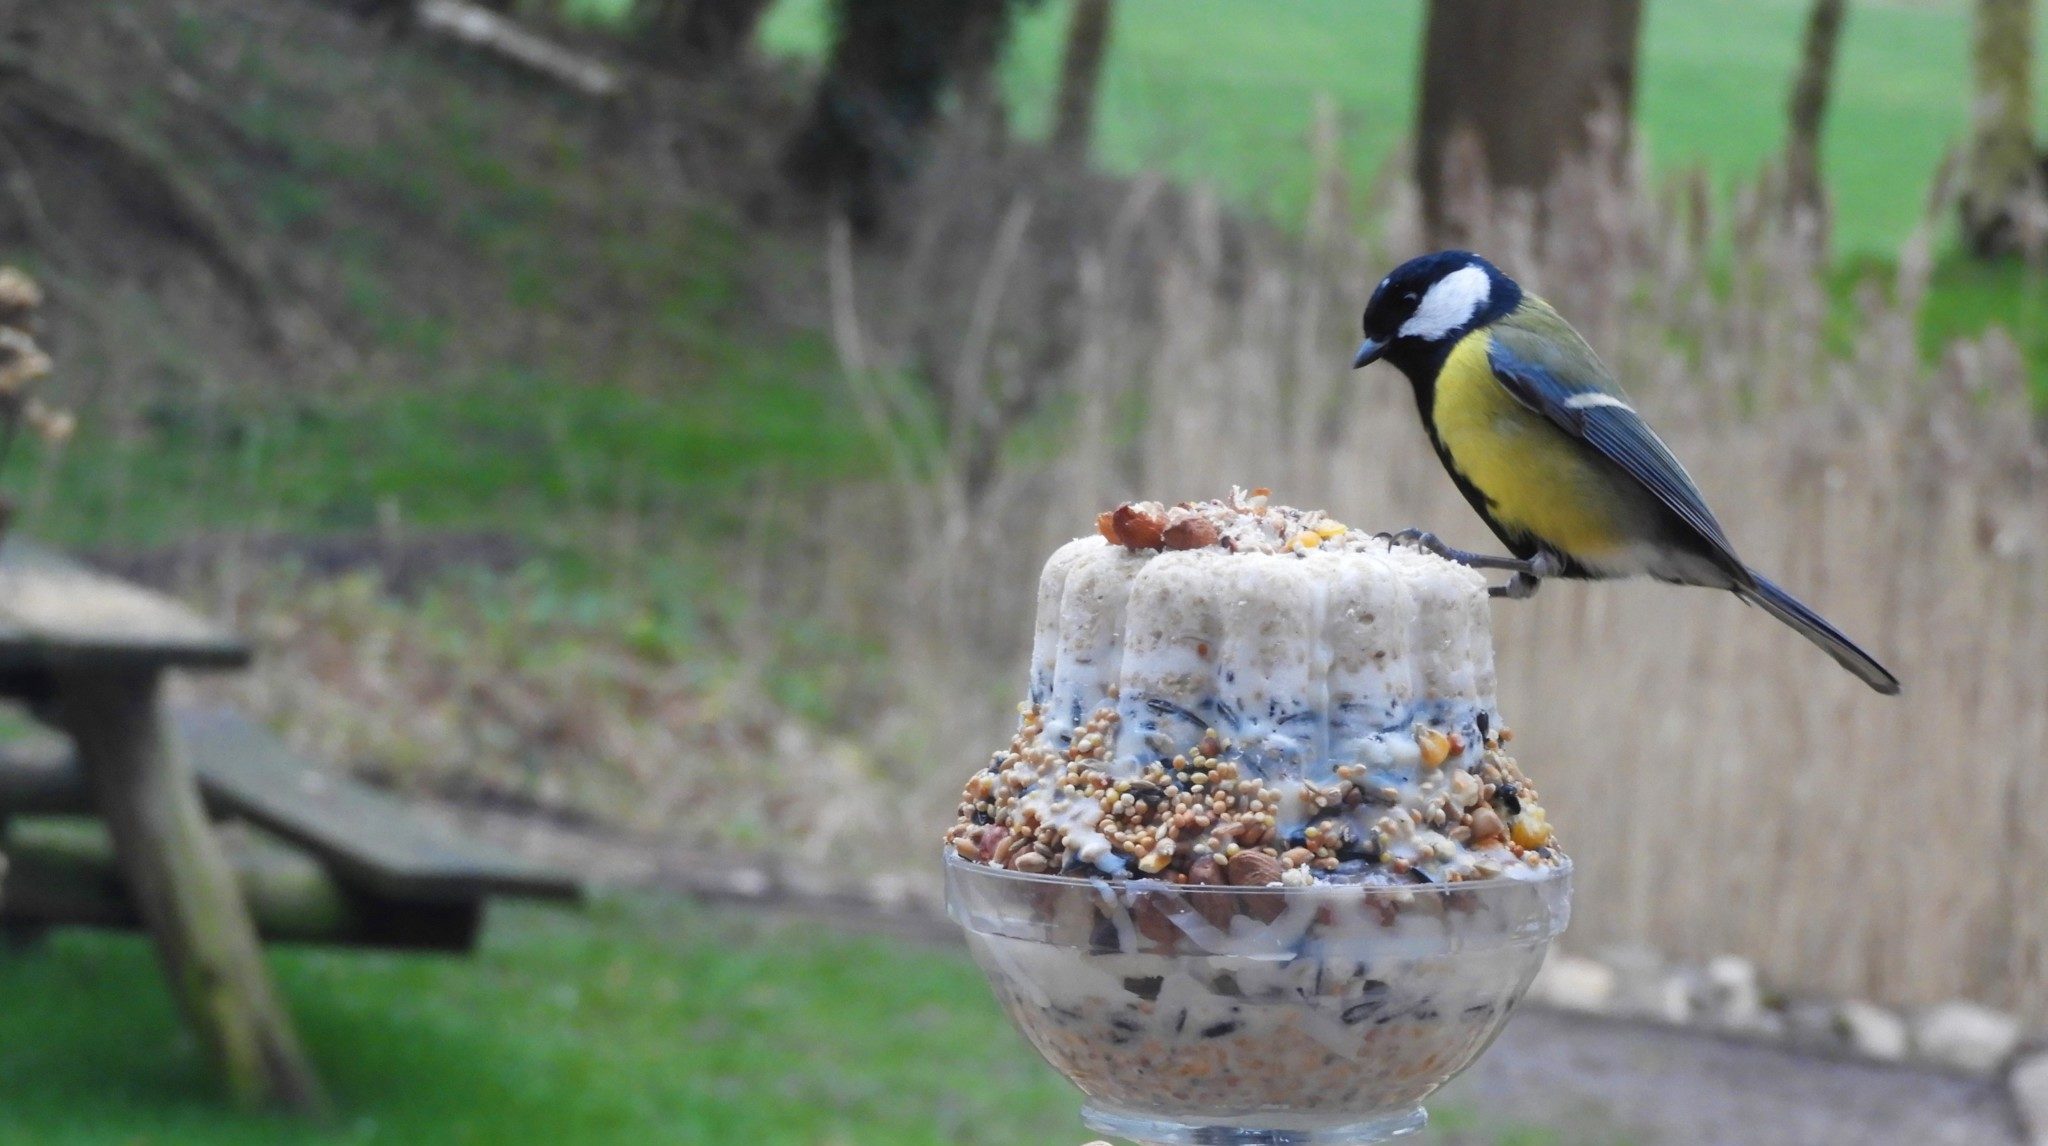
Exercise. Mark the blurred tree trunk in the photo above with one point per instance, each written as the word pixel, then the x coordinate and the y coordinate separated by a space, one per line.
pixel 1999 173
pixel 978 51
pixel 1081 78
pixel 1521 77
pixel 891 61
pixel 703 32
pixel 1808 110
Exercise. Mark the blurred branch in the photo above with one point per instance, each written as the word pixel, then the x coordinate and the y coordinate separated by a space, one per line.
pixel 881 411
pixel 980 420
pixel 474 26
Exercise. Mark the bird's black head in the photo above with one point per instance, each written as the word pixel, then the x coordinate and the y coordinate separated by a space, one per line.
pixel 1421 310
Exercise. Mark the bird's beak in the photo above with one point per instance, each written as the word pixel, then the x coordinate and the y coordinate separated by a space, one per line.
pixel 1369 351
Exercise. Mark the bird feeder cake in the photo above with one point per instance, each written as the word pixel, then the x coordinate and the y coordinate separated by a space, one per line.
pixel 1261 847
pixel 1232 678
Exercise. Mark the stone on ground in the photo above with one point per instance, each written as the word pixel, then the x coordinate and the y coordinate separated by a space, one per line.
pixel 1727 994
pixel 2028 1084
pixel 1874 1032
pixel 1645 988
pixel 1571 983
pixel 1965 1036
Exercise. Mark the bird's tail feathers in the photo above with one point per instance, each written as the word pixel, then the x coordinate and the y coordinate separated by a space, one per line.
pixel 1787 608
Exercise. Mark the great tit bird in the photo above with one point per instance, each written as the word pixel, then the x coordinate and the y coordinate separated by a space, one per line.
pixel 1545 445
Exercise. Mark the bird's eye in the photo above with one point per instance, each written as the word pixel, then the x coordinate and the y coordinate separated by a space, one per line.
pixel 1411 296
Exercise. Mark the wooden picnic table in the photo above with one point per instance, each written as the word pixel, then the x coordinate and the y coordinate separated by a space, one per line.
pixel 87 652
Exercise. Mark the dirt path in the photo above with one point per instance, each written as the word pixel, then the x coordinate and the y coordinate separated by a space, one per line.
pixel 1553 1079
pixel 1598 1081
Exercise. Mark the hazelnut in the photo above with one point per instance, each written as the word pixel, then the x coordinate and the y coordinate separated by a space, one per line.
pixel 1253 869
pixel 1139 526
pixel 1190 533
pixel 1154 924
pixel 1218 907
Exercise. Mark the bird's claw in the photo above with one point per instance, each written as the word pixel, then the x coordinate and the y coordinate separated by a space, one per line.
pixel 1431 543
pixel 1520 587
pixel 1418 538
pixel 1528 575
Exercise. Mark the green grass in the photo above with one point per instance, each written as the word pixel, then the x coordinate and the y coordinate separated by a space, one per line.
pixel 649 1022
pixel 488 451
pixel 1968 296
pixel 1220 91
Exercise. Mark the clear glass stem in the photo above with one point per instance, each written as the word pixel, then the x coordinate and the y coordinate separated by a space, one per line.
pixel 1159 1132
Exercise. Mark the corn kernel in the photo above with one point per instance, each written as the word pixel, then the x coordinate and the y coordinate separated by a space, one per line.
pixel 1531 829
pixel 1435 746
pixel 1329 529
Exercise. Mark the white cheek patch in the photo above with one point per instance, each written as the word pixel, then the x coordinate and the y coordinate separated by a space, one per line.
pixel 1450 304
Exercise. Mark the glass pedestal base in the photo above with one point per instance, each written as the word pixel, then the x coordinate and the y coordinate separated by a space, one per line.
pixel 1154 1132
pixel 1221 1015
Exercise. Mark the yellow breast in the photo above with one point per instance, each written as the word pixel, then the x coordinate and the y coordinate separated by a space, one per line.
pixel 1540 480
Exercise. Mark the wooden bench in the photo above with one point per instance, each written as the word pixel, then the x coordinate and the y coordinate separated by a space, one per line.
pixel 361 867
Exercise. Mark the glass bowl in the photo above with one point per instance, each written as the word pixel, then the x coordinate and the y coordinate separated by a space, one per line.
pixel 1306 1016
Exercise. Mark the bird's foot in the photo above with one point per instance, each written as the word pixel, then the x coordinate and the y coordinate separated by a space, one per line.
pixel 1528 575
pixel 1431 543
pixel 1520 587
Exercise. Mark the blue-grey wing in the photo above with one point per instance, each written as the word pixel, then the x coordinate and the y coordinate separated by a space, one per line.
pixel 1547 376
